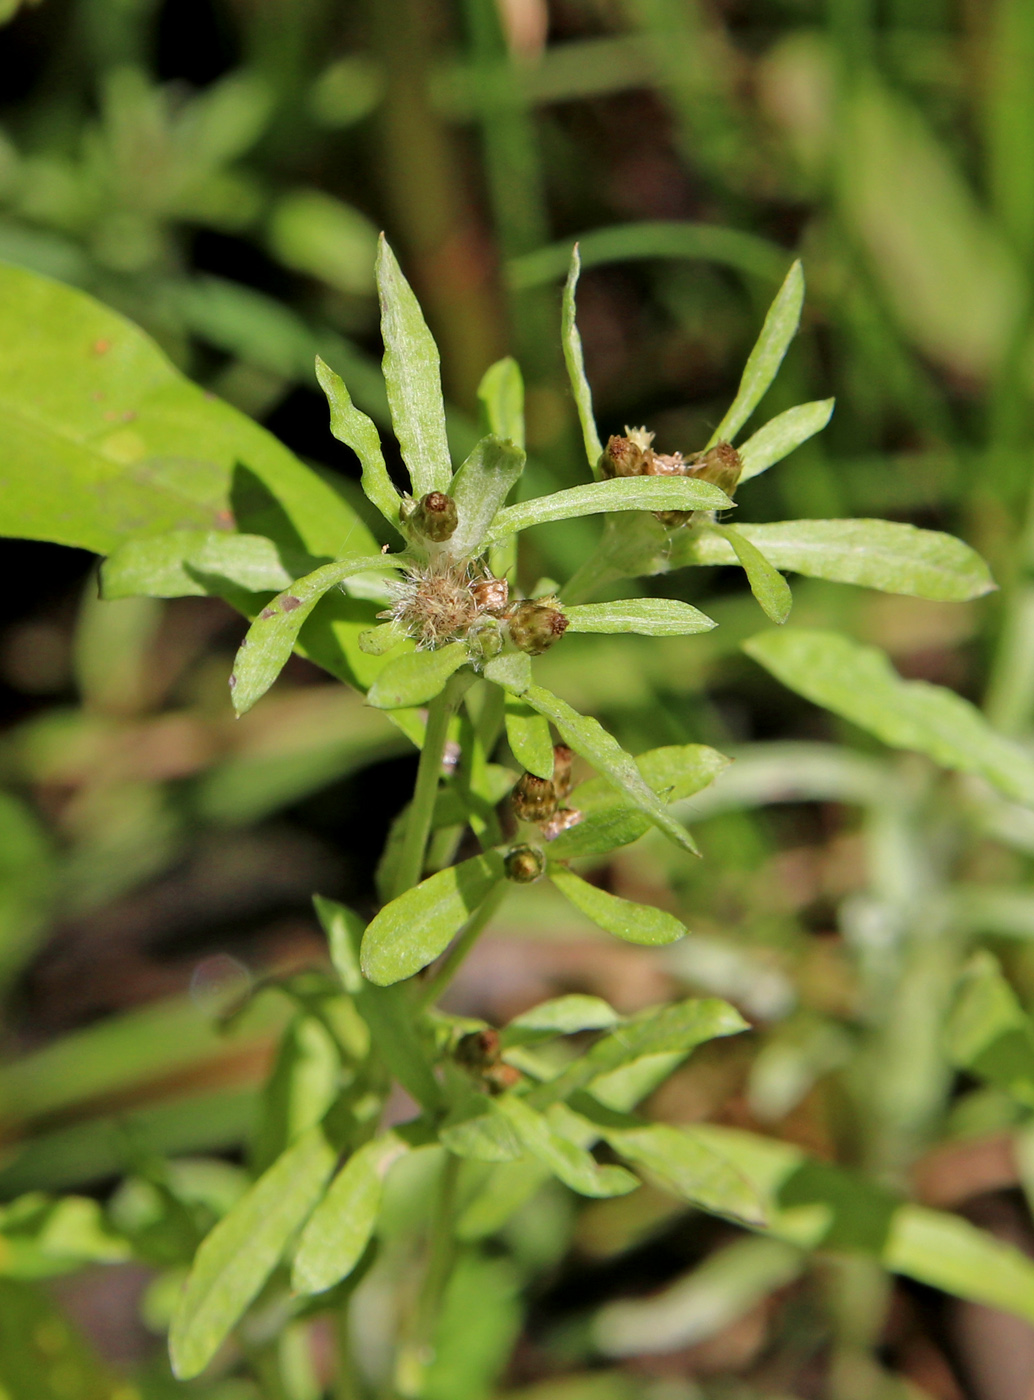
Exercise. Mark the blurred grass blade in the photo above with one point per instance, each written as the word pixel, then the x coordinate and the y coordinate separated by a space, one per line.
pixel 782 435
pixel 575 362
pixel 766 582
pixel 779 329
pixel 413 379
pixel 352 427
pixel 636 923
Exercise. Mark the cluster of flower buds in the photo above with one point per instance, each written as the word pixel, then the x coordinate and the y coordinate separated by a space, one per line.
pixel 633 455
pixel 540 800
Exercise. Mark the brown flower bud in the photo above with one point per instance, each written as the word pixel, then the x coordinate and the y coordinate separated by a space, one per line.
pixel 563 758
pixel 524 864
pixel 536 624
pixel 533 799
pixel 491 594
pixel 560 821
pixel 435 517
pixel 721 465
pixel 626 456
pixel 478 1050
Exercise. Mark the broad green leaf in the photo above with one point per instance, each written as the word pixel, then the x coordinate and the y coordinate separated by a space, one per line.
pixel 782 435
pixel 529 737
pixel 874 553
pixel 386 1010
pixel 103 440
pixel 340 1227
pixel 177 565
pixel 479 489
pixel 501 394
pixel 417 677
pixel 622 493
pixel 763 363
pixel 472 1130
pixel 571 1164
pixel 636 923
pixel 511 670
pixel 681 1027
pixel 352 427
pixel 766 583
pixel 271 637
pixel 587 737
pixel 721 1290
pixel 237 1257
pixel 560 1016
pixel 575 362
pixel 413 379
pixel 859 683
pixel 989 1035
pixel 652 617
pixel 413 929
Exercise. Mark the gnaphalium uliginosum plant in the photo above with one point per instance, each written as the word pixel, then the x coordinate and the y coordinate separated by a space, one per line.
pixel 507 1109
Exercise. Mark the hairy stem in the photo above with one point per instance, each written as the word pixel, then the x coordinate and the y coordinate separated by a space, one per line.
pixel 421 811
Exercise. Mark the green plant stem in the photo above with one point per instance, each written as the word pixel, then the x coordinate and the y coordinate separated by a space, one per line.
pixel 421 810
pixel 454 958
pixel 346 1382
pixel 416 1353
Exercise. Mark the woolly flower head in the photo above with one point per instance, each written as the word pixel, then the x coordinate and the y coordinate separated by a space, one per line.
pixel 445 601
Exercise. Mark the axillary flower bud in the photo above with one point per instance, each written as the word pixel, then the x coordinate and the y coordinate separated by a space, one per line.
pixel 435 517
pixel 628 455
pixel 491 594
pixel 563 759
pixel 721 465
pixel 524 864
pixel 536 624
pixel 533 799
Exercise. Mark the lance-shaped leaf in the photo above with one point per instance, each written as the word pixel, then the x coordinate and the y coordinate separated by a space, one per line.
pixel 781 435
pixel 271 637
pixel 501 395
pixel 635 923
pixel 527 733
pixel 479 489
pixel 859 683
pixel 560 1016
pixel 237 1257
pixel 413 929
pixel 880 554
pixel 413 379
pixel 780 327
pixel 588 737
pixel 989 1034
pixel 651 617
pixel 417 677
pixel 575 362
pixel 622 493
pixel 680 1028
pixel 189 563
pixel 352 427
pixel 766 583
pixel 340 1227
pixel 565 1159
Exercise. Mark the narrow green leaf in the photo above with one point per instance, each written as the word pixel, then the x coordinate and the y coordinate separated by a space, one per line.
pixel 636 923
pixel 560 1016
pixel 599 833
pixel 511 671
pixel 479 489
pixel 352 427
pixel 782 435
pixel 622 493
pixel 340 1227
pixel 651 617
pixel 413 929
pixel 417 677
pixel 949 1253
pixel 762 366
pixel 688 1168
pixel 501 394
pixel 989 1034
pixel 529 737
pixel 575 362
pixel 766 583
pixel 413 379
pixel 571 1164
pixel 271 637
pixel 859 683
pixel 587 737
pixel 237 1257
pixel 874 553
pixel 179 564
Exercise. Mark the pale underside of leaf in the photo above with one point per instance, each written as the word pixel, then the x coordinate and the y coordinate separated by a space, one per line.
pixel 575 362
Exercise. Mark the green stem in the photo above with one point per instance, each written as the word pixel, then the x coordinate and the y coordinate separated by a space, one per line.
pixel 417 1351
pixel 421 810
pixel 346 1382
pixel 454 958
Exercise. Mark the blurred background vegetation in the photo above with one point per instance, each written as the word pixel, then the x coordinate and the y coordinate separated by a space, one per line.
pixel 218 171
